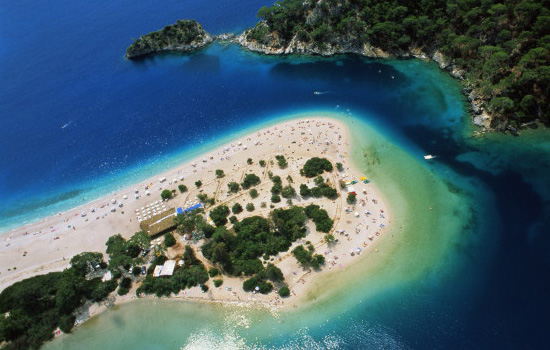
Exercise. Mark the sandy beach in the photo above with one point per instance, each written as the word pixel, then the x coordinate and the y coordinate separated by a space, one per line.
pixel 49 244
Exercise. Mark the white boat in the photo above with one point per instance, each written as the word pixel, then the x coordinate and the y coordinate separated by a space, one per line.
pixel 429 156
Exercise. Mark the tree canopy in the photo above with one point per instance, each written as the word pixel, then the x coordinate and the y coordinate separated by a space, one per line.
pixel 316 166
pixel 502 45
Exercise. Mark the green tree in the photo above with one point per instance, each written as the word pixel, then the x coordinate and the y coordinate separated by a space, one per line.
pixel 288 192
pixel 284 292
pixel 273 273
pixel 218 282
pixel 219 173
pixel 166 194
pixel 169 239
pixel 198 183
pixel 281 161
pixel 182 188
pixel 249 181
pixel 304 191
pixel 237 208
pixel 254 193
pixel 250 207
pixel 352 198
pixel 219 215
pixel 84 263
pixel 233 187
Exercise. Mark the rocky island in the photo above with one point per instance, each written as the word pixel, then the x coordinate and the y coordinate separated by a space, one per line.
pixel 184 36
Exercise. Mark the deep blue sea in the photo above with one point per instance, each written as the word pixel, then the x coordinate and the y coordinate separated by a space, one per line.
pixel 78 120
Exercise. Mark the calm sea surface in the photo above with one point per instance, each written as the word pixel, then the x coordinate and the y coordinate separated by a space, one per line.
pixel 77 121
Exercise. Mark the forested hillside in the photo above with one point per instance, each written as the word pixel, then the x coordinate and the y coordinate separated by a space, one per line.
pixel 501 48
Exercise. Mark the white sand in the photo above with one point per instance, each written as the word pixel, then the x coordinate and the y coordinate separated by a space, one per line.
pixel 48 245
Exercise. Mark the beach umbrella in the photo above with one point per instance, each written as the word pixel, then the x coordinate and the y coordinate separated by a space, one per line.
pixel 125 197
pixel 113 201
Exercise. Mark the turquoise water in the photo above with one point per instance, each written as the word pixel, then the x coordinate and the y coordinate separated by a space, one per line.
pixel 426 250
pixel 77 121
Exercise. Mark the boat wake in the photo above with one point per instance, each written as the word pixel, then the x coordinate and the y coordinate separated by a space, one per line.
pixel 66 125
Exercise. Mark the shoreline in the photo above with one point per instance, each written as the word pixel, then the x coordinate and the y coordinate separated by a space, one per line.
pixel 71 223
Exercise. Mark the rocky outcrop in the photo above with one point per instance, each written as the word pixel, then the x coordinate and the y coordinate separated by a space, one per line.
pixel 184 36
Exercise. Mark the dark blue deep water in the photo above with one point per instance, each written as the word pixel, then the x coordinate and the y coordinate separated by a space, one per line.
pixel 78 120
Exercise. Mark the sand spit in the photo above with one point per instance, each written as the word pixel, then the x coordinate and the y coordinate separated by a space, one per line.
pixel 49 244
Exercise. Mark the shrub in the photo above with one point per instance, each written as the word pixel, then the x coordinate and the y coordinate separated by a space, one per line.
pixel 275 198
pixel 169 240
pixel 204 288
pixel 213 272
pixel 288 192
pixel 233 187
pixel 233 219
pixel 253 193
pixel 249 161
pixel 218 283
pixel 198 183
pixel 182 188
pixel 249 181
pixel 219 173
pixel 237 208
pixel 166 194
pixel 352 198
pixel 202 197
pixel 284 292
pixel 339 166
pixel 262 163
pixel 250 207
pixel 281 161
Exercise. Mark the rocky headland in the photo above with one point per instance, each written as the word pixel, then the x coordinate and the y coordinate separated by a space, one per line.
pixel 494 54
